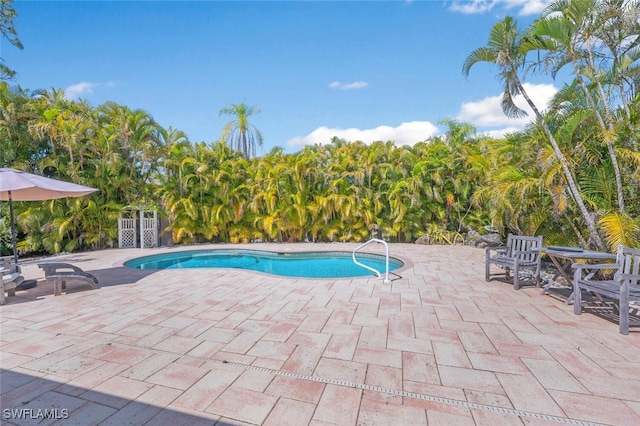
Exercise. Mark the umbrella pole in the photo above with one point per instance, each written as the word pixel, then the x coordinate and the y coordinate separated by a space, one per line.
pixel 14 234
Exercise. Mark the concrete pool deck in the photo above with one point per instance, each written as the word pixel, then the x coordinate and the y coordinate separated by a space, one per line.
pixel 230 347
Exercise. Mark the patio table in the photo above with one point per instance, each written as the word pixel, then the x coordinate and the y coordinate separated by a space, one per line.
pixel 563 257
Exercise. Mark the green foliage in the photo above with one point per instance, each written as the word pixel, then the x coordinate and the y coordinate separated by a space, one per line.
pixel 7 31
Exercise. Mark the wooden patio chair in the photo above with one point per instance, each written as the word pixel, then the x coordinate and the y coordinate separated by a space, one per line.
pixel 623 287
pixel 519 253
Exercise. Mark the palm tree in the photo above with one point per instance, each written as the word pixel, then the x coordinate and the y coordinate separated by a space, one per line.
pixel 239 134
pixel 566 33
pixel 8 31
pixel 505 50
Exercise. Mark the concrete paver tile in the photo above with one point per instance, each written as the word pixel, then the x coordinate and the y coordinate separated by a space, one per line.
pixel 375 413
pixel 314 322
pixel 290 412
pixel 303 360
pixel 342 346
pixel 10 380
pixel 309 338
pixel 476 342
pixel 523 350
pixel 195 329
pixel 338 405
pixel 337 369
pixel 138 330
pixel 402 327
pixel 134 413
pixel 385 357
pixel 220 335
pixel 35 348
pixel 466 378
pixel 369 315
pixel 294 388
pixel 177 344
pixel 88 414
pixel 269 363
pixel 436 334
pixel 385 377
pixel 255 380
pixel 148 367
pixel 61 406
pixel 178 376
pixel 234 319
pixel 420 368
pixel 497 363
pixel 126 356
pixel 409 344
pixel 553 375
pixel 173 415
pixel 281 331
pixel 158 336
pixel 233 357
pixel 208 388
pixel 491 418
pixel 527 394
pixel 91 379
pixel 116 392
pixel 499 334
pixel 576 362
pixel 243 342
pixel 273 350
pixel 451 354
pixel 374 337
pixel 206 349
pixel 258 326
pixel 612 387
pixel 13 397
pixel 177 322
pixel 595 409
pixel 244 405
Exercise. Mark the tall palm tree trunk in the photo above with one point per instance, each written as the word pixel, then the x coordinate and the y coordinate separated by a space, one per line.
pixel 573 186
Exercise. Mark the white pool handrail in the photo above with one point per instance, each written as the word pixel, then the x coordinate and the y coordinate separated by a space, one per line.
pixel 386 246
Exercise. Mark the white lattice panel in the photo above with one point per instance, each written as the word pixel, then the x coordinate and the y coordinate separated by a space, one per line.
pixel 127 233
pixel 149 229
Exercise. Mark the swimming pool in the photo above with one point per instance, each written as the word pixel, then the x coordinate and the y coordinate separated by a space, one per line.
pixel 302 265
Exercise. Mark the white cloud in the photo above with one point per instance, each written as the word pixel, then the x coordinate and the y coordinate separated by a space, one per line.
pixel 76 90
pixel 472 7
pixel 348 86
pixel 500 133
pixel 533 7
pixel 488 112
pixel 524 7
pixel 408 133
pixel 84 88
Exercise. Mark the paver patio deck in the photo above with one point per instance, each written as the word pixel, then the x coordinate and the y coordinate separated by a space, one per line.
pixel 230 347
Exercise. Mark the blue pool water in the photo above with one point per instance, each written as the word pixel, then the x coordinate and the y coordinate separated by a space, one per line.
pixel 304 265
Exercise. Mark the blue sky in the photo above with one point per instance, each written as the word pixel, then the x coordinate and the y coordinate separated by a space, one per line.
pixel 361 70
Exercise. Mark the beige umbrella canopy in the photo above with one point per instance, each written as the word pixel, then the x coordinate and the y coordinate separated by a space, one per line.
pixel 16 185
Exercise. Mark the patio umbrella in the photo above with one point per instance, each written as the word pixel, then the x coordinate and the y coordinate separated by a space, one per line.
pixel 16 185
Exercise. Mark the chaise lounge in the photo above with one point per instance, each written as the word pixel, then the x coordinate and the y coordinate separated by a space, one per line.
pixel 53 273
